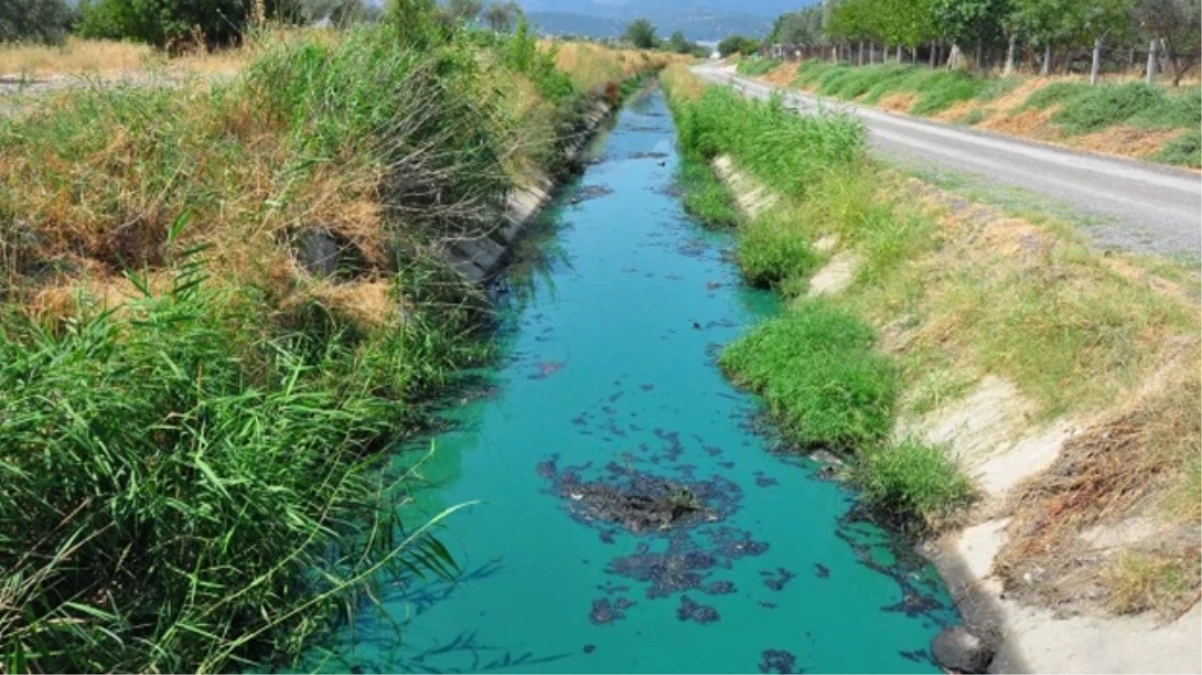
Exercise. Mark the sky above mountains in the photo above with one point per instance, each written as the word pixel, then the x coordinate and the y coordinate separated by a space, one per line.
pixel 697 19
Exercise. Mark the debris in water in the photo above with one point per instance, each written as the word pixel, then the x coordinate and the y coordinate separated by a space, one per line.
pixel 639 501
pixel 591 192
pixel 777 661
pixel 720 588
pixel 545 369
pixel 777 580
pixel 693 611
pixel 604 612
pixel 589 649
pixel 821 571
pixel 763 480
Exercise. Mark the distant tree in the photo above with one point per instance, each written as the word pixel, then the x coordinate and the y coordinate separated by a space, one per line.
pixel 1041 24
pixel 464 11
pixel 737 44
pixel 641 34
pixel 679 44
pixel 971 22
pixel 166 22
pixel 798 28
pixel 339 12
pixel 43 21
pixel 1176 22
pixel 500 16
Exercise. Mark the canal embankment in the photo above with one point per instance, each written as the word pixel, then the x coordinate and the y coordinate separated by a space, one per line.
pixel 224 304
pixel 1058 381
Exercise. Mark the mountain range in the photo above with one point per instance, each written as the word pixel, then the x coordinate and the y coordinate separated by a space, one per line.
pixel 705 20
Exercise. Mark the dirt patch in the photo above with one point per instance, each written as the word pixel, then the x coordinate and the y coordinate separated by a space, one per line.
pixel 1101 529
pixel 1128 141
pixel 782 75
pixel 1033 123
pixel 898 103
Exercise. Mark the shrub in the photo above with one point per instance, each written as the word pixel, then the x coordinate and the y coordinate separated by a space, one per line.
pixel 1106 105
pixel 1053 94
pixel 182 489
pixel 816 369
pixel 1185 150
pixel 737 44
pixel 784 150
pixel 44 21
pixel 755 67
pixel 911 483
pixel 705 197
pixel 641 34
pixel 772 250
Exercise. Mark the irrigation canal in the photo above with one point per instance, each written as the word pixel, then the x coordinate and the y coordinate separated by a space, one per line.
pixel 609 381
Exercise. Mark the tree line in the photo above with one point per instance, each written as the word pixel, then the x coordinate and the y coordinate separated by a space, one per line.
pixel 992 31
pixel 216 23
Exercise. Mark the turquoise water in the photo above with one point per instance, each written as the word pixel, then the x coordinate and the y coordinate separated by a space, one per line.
pixel 609 376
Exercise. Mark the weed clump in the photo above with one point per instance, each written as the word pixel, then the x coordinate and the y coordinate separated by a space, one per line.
pixel 704 196
pixel 817 372
pixel 936 90
pixel 784 150
pixel 772 250
pixel 756 67
pixel 911 483
pixel 1185 150
pixel 1100 107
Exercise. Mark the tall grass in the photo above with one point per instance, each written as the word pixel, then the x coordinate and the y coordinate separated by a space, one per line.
pixel 191 441
pixel 782 149
pixel 816 365
pixel 1084 109
pixel 934 90
pixel 182 493
pixel 757 66
pixel 817 371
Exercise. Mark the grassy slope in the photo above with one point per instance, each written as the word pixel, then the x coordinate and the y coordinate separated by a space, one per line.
pixel 191 422
pixel 1078 333
pixel 815 365
pixel 1126 118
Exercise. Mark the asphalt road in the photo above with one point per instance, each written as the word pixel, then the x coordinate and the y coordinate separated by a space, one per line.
pixel 1141 206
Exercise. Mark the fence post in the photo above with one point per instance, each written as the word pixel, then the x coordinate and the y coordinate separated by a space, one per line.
pixel 1097 61
pixel 1151 76
pixel 1009 67
pixel 860 56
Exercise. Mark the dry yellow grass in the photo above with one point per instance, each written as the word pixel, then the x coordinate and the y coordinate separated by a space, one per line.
pixel 593 67
pixel 782 75
pixel 107 58
pixel 76 57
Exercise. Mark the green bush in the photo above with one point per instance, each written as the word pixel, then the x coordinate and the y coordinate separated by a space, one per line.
pixel 911 483
pixel 44 21
pixel 781 148
pixel 772 250
pixel 815 368
pixel 183 492
pixel 705 197
pixel 936 90
pixel 1099 107
pixel 1185 150
pixel 737 44
pixel 1053 94
pixel 755 66
pixel 1176 110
